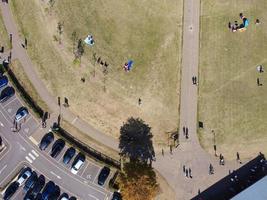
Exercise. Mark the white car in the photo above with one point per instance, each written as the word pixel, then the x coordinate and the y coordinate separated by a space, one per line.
pixel 25 174
pixel 21 114
pixel 77 163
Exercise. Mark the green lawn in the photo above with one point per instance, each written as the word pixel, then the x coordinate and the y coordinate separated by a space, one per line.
pixel 230 102
pixel 149 32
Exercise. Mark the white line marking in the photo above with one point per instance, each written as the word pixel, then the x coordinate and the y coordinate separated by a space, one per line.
pixel 29 160
pixel 55 175
pixel 3 169
pixel 33 140
pixel 1 124
pixel 74 120
pixel 21 147
pixel 9 102
pixel 32 156
pixel 93 197
pixel 36 154
pixel 85 168
pixel 97 175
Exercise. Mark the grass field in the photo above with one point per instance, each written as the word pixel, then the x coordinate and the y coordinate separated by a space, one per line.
pixel 4 38
pixel 149 32
pixel 230 102
pixel 27 85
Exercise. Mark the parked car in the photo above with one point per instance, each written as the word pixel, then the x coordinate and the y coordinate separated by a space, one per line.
pixel 29 196
pixel 39 196
pixel 6 93
pixel 73 198
pixel 56 193
pixel 64 196
pixel 25 174
pixel 103 175
pixel 3 81
pixel 77 163
pixel 68 155
pixel 116 196
pixel 31 181
pixel 46 140
pixel 10 191
pixel 39 185
pixel 21 114
pixel 48 190
pixel 57 147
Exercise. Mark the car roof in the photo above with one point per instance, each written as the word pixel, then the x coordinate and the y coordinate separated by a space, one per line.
pixel 78 164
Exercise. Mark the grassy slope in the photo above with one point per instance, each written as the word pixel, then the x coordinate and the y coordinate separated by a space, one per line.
pixel 230 101
pixel 147 32
pixel 4 41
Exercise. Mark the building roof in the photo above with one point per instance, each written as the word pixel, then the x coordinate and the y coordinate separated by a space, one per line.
pixel 256 191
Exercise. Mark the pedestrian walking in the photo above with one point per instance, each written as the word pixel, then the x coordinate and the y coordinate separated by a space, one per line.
pixel 189 171
pixel 211 170
pixel 186 133
pixel 193 80
pixel 184 169
pixel 26 43
pixel 162 152
pixel 184 130
pixel 170 149
pixel 237 156
pixel 139 101
pixel 186 172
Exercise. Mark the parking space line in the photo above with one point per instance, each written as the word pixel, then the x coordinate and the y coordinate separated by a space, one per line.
pixel 97 174
pixel 28 159
pixel 85 168
pixel 9 102
pixel 33 140
pixel 36 154
pixel 61 157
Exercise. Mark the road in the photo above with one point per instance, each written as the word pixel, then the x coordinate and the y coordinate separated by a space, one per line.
pixel 21 151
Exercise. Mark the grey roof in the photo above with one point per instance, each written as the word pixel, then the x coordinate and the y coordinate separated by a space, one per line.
pixel 257 191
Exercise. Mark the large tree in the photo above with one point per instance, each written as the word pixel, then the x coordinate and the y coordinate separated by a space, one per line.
pixel 138 182
pixel 136 141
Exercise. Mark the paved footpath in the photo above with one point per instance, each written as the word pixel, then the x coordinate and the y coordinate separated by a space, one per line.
pixel 189 152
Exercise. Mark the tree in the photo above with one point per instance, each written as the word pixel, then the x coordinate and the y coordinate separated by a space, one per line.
pixel 60 30
pixel 74 39
pixel 136 141
pixel 138 182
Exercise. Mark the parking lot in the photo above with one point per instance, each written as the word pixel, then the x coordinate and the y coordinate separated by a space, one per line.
pixel 89 170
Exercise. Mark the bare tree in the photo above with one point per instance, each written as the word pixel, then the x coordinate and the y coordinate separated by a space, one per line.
pixel 60 30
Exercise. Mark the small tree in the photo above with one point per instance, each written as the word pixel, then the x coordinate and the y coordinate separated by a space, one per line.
pixel 136 141
pixel 74 39
pixel 51 5
pixel 138 182
pixel 80 50
pixel 60 30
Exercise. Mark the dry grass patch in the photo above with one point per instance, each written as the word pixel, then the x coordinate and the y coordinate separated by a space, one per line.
pixel 145 31
pixel 230 102
pixel 4 38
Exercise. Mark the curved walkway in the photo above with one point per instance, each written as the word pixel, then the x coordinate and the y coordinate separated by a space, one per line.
pixel 20 53
pixel 189 152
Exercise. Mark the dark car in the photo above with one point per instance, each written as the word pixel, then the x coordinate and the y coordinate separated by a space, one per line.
pixel 39 185
pixel 116 196
pixel 29 196
pixel 57 147
pixel 30 182
pixel 73 198
pixel 39 196
pixel 48 190
pixel 46 140
pixel 10 191
pixel 64 196
pixel 55 194
pixel 3 81
pixel 68 155
pixel 6 93
pixel 103 175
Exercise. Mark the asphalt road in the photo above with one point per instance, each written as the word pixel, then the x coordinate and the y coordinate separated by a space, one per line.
pixel 22 151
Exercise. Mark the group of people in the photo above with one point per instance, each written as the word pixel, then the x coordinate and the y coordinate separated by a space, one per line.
pixel 187 172
pixel 185 132
pixel 235 26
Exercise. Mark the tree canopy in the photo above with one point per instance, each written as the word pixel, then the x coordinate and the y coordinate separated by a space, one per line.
pixel 138 182
pixel 136 141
